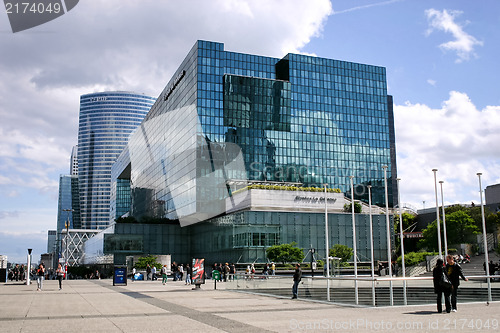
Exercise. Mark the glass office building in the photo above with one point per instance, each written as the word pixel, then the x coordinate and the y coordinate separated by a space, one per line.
pixel 228 119
pixel 106 121
pixel 231 116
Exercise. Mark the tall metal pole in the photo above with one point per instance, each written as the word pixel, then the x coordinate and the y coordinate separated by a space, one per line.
pixel 66 254
pixel 485 241
pixel 388 229
pixel 327 249
pixel 401 237
pixel 371 243
pixel 437 215
pixel 354 247
pixel 444 222
pixel 28 269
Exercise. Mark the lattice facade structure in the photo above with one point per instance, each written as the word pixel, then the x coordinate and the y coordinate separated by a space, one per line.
pixel 72 244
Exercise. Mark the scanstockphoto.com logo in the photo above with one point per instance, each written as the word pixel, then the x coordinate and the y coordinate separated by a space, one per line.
pixel 26 14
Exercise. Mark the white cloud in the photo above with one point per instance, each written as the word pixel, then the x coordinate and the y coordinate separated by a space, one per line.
pixel 463 43
pixel 457 139
pixel 120 45
pixel 432 82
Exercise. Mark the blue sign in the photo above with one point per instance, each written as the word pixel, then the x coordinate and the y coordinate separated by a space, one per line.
pixel 120 276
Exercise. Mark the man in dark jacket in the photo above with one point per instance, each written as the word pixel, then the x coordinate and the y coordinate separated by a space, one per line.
pixel 297 276
pixel 454 272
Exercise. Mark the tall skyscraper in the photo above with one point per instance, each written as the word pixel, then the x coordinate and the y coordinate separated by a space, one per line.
pixel 106 121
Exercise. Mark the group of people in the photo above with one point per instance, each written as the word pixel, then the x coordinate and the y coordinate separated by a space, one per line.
pixel 446 280
pixel 226 271
pixel 178 271
pixel 18 273
pixel 267 269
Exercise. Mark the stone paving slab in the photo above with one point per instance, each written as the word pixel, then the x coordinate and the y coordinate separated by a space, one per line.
pixel 149 306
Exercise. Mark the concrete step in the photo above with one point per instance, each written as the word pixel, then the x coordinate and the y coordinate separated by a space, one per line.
pixel 415 295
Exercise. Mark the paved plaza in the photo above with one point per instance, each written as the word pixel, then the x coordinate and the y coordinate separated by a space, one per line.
pixel 147 306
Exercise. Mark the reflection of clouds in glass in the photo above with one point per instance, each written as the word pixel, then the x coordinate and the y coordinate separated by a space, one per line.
pixel 185 176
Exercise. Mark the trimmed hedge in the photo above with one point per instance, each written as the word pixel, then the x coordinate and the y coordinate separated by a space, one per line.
pixel 414 258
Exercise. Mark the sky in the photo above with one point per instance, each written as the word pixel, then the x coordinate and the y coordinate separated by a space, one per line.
pixel 440 56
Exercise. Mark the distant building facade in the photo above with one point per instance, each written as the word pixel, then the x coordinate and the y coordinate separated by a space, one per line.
pixel 492 197
pixel 74 161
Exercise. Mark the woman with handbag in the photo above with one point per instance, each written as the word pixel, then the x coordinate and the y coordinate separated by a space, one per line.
pixel 442 286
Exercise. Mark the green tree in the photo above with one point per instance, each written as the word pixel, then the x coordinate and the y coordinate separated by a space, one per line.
pixel 492 219
pixel 285 253
pixel 357 208
pixel 460 228
pixel 143 262
pixel 343 252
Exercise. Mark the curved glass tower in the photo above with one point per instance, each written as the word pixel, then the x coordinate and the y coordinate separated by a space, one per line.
pixel 106 121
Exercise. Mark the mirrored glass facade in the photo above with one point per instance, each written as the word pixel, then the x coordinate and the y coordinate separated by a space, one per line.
pixel 226 116
pixel 105 123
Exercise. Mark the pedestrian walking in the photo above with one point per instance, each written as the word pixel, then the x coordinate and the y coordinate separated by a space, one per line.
pixel 40 273
pixel 133 274
pixel 454 273
pixel 153 272
pixel 189 272
pixel 180 270
pixel 225 271
pixel 60 275
pixel 232 271
pixel 164 274
pixel 21 273
pixel 297 276
pixel 148 272
pixel 442 286
pixel 265 271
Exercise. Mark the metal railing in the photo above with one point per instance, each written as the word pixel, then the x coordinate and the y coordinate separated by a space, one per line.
pixel 365 290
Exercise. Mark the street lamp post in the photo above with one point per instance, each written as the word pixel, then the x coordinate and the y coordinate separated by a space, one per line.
pixel 401 237
pixel 354 247
pixel 444 222
pixel 371 243
pixel 485 241
pixel 327 249
pixel 388 229
pixel 437 215
pixel 66 252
